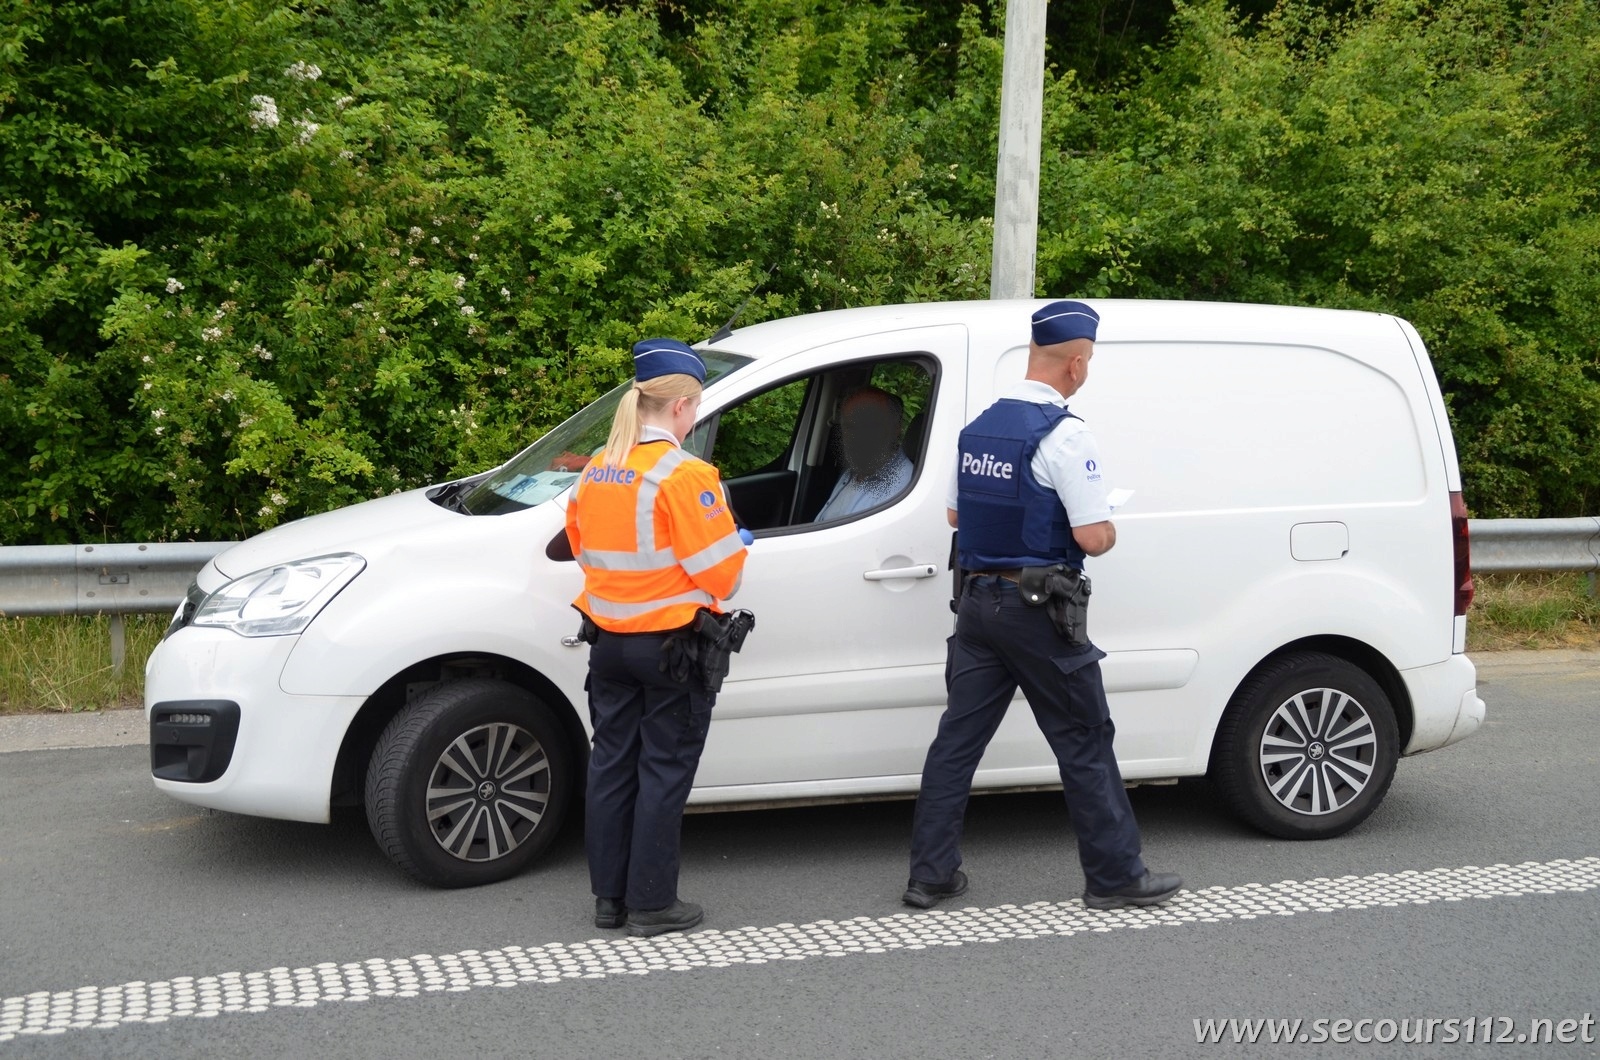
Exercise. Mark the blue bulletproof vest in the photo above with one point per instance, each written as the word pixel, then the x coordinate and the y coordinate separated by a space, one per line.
pixel 1007 519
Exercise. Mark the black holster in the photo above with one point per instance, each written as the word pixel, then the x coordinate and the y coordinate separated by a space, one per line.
pixel 705 647
pixel 1063 592
pixel 588 632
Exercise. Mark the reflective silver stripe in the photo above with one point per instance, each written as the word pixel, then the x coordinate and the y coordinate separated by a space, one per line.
pixel 645 513
pixel 713 554
pixel 600 559
pixel 602 608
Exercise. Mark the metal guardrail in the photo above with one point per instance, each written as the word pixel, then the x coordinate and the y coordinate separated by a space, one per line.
pixel 110 579
pixel 120 579
pixel 99 579
pixel 1534 544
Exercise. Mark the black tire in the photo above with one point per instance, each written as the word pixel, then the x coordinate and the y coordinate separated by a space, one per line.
pixel 1321 790
pixel 492 732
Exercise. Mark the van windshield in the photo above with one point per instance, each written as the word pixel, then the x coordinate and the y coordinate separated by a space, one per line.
pixel 547 467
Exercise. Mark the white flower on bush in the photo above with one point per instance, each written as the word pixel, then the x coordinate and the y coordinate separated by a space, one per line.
pixel 173 286
pixel 227 395
pixel 264 112
pixel 344 101
pixel 265 511
pixel 347 155
pixel 147 358
pixel 261 352
pixel 303 71
pixel 415 233
pixel 468 311
pixel 211 334
pixel 161 430
pixel 279 499
pixel 308 129
pixel 505 292
pixel 147 386
pixel 460 281
pixel 156 414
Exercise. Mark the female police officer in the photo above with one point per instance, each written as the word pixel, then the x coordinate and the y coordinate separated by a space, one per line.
pixel 652 530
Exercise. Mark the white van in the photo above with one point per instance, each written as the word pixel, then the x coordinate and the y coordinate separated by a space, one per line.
pixel 1284 610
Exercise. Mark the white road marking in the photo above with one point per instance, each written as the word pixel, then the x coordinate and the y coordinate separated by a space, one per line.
pixel 110 1007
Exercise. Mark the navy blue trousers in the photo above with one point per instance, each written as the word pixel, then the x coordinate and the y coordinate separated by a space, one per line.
pixel 649 731
pixel 1000 644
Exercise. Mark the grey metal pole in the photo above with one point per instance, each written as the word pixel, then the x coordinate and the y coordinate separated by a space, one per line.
pixel 1016 186
pixel 119 643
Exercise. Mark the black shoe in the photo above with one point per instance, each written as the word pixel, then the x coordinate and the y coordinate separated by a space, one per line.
pixel 609 913
pixel 679 916
pixel 1152 888
pixel 927 895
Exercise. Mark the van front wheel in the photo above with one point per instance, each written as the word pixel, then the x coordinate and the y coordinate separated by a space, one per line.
pixel 469 784
pixel 1307 748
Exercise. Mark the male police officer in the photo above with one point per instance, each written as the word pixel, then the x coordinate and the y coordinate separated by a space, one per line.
pixel 1032 504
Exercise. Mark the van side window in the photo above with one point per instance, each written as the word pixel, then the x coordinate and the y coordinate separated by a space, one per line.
pixel 757 434
pixel 823 448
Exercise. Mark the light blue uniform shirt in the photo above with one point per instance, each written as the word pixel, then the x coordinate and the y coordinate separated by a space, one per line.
pixel 852 494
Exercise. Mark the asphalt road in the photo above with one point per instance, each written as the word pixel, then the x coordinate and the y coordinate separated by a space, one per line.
pixel 1467 895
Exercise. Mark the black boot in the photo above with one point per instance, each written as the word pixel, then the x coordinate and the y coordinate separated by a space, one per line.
pixel 679 916
pixel 1152 888
pixel 927 895
pixel 609 913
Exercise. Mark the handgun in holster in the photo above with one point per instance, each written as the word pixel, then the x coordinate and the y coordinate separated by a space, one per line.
pixel 1063 592
pixel 720 636
pixel 588 632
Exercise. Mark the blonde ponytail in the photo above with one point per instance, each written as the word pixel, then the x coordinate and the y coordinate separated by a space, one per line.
pixel 647 398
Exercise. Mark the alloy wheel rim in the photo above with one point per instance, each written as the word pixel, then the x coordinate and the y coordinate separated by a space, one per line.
pixel 1318 751
pixel 488 791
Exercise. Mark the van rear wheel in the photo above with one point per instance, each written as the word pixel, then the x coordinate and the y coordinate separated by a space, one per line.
pixel 469 784
pixel 1307 748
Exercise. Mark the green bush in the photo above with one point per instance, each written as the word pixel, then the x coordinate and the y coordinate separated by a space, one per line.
pixel 1434 161
pixel 262 259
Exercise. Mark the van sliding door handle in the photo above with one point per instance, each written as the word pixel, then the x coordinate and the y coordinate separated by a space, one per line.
pixel 921 570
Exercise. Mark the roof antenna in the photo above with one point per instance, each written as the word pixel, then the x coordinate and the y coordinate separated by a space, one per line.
pixel 727 329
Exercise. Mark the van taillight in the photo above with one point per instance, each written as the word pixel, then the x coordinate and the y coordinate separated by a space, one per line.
pixel 1463 552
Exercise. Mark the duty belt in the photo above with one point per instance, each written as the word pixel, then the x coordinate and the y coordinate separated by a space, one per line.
pixel 1010 575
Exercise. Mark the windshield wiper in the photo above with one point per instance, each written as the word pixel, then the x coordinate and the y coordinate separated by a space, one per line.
pixel 452 496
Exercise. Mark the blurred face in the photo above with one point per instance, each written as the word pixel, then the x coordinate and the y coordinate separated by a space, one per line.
pixel 869 436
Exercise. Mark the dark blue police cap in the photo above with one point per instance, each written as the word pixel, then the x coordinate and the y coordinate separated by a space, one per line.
pixel 1063 322
pixel 657 357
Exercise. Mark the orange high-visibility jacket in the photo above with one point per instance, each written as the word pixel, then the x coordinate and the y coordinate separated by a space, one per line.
pixel 655 539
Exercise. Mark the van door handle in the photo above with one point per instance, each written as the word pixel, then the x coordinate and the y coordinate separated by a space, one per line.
pixel 921 570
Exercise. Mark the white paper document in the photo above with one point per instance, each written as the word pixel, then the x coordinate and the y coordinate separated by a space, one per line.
pixel 1118 497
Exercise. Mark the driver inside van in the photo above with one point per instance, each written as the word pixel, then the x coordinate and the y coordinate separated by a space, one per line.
pixel 876 468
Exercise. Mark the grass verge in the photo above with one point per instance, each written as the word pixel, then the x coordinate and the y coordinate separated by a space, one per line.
pixel 63 665
pixel 1533 611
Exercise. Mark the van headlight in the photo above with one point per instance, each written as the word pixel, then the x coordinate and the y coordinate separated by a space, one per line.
pixel 279 600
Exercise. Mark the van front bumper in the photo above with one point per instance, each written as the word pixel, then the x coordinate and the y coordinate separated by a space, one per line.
pixel 1445 705
pixel 224 734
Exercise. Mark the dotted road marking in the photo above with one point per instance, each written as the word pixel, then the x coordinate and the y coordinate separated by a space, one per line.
pixel 203 997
